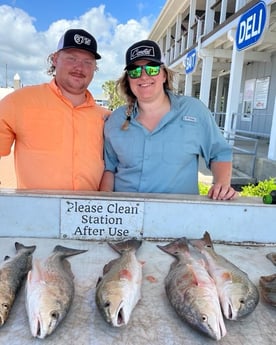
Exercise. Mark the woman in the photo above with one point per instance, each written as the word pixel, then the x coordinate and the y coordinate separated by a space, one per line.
pixel 152 144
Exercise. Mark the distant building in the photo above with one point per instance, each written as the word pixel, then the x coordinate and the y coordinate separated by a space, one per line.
pixel 101 100
pixel 4 91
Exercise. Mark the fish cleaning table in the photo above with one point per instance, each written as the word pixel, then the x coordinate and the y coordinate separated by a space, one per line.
pixel 153 321
pixel 243 231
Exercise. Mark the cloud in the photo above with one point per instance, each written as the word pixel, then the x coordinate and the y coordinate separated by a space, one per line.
pixel 24 50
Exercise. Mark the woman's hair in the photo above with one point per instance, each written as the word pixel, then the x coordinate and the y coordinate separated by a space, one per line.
pixel 124 90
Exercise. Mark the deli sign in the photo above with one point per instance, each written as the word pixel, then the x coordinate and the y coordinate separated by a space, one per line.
pixel 251 26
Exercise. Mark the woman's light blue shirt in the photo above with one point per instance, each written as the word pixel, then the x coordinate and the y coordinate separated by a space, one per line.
pixel 166 159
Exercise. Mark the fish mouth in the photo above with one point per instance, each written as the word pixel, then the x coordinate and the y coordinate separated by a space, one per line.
pixel 120 319
pixel 2 321
pixel 230 312
pixel 37 330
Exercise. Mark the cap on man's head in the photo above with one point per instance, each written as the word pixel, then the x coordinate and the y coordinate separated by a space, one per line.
pixel 143 50
pixel 80 39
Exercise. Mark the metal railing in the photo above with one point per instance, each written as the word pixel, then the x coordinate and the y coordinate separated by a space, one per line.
pixel 244 135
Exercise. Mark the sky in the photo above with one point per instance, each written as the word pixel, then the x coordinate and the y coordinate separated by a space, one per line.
pixel 30 31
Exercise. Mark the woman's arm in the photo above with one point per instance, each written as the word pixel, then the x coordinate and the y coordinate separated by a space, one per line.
pixel 107 183
pixel 221 189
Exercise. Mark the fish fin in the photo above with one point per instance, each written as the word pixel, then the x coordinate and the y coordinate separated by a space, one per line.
pixel 193 274
pixel 272 257
pixel 120 247
pixel 66 252
pixel 125 274
pixel 176 247
pixel 207 240
pixel 203 242
pixel 99 280
pixel 107 267
pixel 19 246
pixel 7 257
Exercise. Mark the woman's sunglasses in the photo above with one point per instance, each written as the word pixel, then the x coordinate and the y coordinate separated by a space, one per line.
pixel 136 71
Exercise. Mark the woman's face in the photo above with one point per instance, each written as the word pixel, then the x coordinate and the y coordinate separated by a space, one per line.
pixel 147 87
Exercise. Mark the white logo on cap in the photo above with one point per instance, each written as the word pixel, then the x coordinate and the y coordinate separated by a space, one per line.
pixel 141 51
pixel 82 40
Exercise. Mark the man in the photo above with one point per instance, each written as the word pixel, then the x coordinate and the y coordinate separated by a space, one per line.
pixel 57 127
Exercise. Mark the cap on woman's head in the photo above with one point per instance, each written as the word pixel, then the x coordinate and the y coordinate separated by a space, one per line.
pixel 143 50
pixel 80 39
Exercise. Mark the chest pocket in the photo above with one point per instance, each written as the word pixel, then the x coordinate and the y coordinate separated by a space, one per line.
pixel 181 143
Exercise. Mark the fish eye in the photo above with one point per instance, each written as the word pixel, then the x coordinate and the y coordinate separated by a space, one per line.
pixel 5 306
pixel 204 318
pixel 54 315
pixel 107 304
pixel 242 301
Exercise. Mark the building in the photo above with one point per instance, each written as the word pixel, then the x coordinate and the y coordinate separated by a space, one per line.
pixel 224 52
pixel 4 91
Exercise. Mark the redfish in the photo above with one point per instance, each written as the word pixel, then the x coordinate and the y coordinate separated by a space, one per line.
pixel 50 291
pixel 13 271
pixel 237 293
pixel 119 290
pixel 192 292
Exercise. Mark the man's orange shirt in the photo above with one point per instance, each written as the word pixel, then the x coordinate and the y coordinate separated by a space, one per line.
pixel 57 146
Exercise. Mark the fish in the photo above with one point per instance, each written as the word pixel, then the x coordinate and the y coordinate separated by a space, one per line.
pixel 268 288
pixel 238 295
pixel 49 291
pixel 272 257
pixel 268 283
pixel 13 272
pixel 192 292
pixel 119 289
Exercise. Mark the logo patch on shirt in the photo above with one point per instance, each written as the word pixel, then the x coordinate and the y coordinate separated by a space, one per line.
pixel 189 118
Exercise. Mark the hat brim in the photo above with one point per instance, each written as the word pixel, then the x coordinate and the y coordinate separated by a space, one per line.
pixel 145 58
pixel 97 56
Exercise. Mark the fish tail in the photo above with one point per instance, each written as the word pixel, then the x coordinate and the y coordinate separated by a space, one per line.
pixel 203 242
pixel 207 239
pixel 66 252
pixel 176 247
pixel 29 249
pixel 120 247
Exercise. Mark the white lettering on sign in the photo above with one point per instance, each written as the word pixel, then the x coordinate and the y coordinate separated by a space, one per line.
pixel 90 219
pixel 250 27
pixel 190 61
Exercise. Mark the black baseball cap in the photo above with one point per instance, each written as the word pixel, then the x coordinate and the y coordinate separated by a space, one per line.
pixel 80 39
pixel 146 49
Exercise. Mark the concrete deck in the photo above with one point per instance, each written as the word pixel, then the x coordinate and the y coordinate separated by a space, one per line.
pixel 153 320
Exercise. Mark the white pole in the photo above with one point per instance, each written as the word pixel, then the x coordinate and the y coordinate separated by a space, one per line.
pixel 272 142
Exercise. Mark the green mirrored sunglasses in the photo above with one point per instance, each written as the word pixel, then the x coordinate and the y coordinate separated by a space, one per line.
pixel 136 71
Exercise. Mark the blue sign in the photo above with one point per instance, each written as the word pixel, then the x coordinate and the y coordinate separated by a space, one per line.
pixel 190 61
pixel 251 26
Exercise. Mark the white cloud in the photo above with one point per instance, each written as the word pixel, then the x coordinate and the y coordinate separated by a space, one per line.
pixel 24 50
